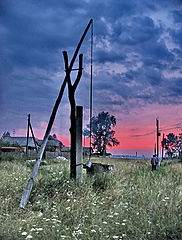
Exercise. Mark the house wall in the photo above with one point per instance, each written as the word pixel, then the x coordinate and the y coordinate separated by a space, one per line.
pixel 65 154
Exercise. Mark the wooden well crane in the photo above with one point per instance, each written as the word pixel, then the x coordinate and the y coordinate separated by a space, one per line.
pixel 71 89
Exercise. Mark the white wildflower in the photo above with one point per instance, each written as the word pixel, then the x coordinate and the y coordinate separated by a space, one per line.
pixel 104 222
pixel 93 230
pixel 116 214
pixel 39 229
pixel 24 233
pixel 123 224
pixel 54 219
pixel 166 198
pixel 115 237
pixel 40 214
pixel 79 232
pixel 29 236
pixel 68 208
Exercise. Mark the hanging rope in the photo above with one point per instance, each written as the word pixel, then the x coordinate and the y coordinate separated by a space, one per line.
pixel 91 88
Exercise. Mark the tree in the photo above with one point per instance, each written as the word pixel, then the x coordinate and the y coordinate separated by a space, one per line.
pixel 179 145
pixel 172 144
pixel 101 132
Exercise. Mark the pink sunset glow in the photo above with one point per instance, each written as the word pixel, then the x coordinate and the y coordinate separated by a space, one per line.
pixel 136 131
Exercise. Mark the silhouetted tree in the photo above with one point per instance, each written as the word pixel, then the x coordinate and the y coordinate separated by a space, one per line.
pixel 101 132
pixel 171 144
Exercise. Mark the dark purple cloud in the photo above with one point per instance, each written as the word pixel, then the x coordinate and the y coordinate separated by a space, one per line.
pixel 137 54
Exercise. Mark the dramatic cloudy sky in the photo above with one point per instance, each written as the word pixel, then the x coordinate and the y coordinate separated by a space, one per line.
pixel 137 65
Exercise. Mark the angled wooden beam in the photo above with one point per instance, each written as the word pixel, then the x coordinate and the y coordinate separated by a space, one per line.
pixel 28 127
pixel 35 143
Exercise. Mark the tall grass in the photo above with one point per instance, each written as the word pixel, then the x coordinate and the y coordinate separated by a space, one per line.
pixel 129 203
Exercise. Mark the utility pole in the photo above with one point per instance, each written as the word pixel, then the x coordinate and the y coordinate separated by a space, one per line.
pixel 158 135
pixel 155 148
pixel 162 146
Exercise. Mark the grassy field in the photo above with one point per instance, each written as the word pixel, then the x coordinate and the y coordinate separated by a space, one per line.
pixel 130 203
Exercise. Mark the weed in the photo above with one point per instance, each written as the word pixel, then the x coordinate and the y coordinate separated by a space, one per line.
pixel 129 203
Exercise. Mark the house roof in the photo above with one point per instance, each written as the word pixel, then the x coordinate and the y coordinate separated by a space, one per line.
pixel 51 143
pixel 22 141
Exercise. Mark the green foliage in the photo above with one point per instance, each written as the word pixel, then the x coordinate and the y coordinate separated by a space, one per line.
pixel 3 143
pixel 173 144
pixel 129 203
pixel 102 133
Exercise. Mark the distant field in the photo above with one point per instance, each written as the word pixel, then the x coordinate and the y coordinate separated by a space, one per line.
pixel 129 203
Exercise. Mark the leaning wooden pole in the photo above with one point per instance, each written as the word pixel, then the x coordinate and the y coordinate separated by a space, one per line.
pixel 27 191
pixel 35 143
pixel 28 128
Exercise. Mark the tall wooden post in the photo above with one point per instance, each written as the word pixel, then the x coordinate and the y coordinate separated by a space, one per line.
pixel 162 146
pixel 155 149
pixel 28 126
pixel 158 134
pixel 79 148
